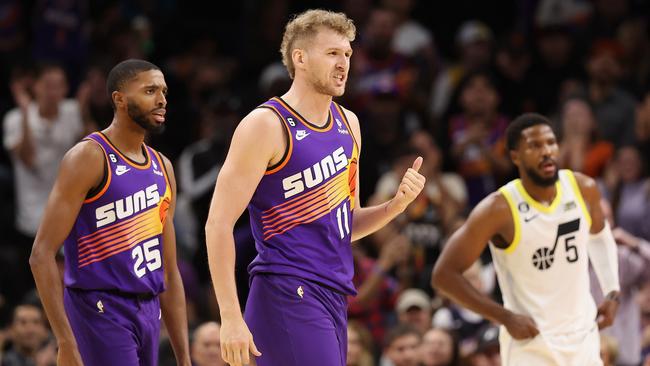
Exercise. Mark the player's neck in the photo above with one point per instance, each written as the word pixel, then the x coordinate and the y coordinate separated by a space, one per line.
pixel 542 194
pixel 311 105
pixel 127 137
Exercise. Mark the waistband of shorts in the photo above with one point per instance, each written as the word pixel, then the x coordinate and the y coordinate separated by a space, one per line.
pixel 143 296
pixel 330 288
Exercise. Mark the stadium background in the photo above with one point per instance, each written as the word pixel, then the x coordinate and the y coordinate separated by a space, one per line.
pixel 440 79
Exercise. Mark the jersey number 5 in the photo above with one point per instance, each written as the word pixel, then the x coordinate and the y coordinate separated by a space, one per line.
pixel 146 253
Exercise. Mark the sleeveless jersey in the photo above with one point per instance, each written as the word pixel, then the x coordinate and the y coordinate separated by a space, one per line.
pixel 116 241
pixel 544 272
pixel 301 211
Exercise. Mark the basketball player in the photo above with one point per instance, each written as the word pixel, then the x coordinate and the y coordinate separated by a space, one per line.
pixel 112 208
pixel 541 229
pixel 293 161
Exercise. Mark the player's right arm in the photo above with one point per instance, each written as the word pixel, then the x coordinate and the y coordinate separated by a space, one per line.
pixel 81 169
pixel 256 144
pixel 491 217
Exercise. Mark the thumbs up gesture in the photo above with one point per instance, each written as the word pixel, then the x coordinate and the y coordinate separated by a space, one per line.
pixel 411 185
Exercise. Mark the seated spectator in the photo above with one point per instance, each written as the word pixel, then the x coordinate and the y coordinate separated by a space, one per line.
pixel 414 308
pixel 487 349
pixel 206 345
pixel 376 288
pixel 439 348
pixel 359 345
pixel 477 136
pixel 27 335
pixel 401 346
pixel 627 187
pixel 465 323
pixel 582 148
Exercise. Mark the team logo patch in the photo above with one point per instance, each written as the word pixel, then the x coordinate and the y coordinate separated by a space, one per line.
pixel 523 207
pixel 569 206
pixel 300 291
pixel 100 307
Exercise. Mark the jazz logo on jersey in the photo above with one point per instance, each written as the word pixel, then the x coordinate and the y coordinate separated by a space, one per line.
pixel 300 291
pixel 310 177
pixel 301 134
pixel 127 206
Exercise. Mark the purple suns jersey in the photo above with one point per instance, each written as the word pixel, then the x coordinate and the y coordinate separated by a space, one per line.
pixel 116 241
pixel 301 211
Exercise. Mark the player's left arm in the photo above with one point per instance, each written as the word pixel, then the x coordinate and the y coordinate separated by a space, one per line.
pixel 602 251
pixel 367 220
pixel 172 300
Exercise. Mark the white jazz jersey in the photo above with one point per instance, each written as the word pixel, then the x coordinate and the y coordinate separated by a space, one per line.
pixel 544 274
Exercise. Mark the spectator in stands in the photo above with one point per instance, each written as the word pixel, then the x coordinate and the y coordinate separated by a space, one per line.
pixel 413 307
pixel 477 136
pixel 439 348
pixel 27 334
pixel 401 346
pixel 360 346
pixel 37 133
pixel 206 345
pixel 582 148
pixel 613 107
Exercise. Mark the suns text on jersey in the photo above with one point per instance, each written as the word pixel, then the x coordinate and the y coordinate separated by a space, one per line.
pixel 314 175
pixel 127 206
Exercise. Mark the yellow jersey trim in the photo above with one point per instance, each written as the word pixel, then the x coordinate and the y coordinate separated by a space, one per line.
pixel 515 219
pixel 538 206
pixel 578 193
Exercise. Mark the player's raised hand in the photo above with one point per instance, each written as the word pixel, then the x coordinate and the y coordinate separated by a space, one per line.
pixel 411 185
pixel 68 355
pixel 237 342
pixel 521 326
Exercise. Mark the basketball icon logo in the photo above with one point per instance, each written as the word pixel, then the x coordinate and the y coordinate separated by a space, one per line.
pixel 543 258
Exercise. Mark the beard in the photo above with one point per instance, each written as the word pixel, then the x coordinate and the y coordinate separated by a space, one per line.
pixel 541 181
pixel 142 119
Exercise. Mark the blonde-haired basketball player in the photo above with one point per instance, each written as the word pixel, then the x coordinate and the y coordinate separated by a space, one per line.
pixel 293 161
pixel 543 229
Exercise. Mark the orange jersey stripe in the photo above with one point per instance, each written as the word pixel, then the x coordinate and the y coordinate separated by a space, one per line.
pixel 333 201
pixel 301 199
pixel 112 228
pixel 305 220
pixel 290 142
pixel 147 225
pixel 315 196
pixel 323 197
pixel 120 247
pixel 108 178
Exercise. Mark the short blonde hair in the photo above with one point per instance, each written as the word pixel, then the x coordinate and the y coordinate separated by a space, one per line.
pixel 306 25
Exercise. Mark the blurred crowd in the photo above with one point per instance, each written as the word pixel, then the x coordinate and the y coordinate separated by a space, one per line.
pixel 423 82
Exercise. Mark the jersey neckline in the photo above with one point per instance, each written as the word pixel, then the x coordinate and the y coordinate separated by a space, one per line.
pixel 326 127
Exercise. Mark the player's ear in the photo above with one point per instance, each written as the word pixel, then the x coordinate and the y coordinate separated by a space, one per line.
pixel 298 56
pixel 118 98
pixel 514 157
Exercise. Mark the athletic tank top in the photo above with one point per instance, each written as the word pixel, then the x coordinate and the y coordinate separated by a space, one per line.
pixel 116 241
pixel 301 211
pixel 544 272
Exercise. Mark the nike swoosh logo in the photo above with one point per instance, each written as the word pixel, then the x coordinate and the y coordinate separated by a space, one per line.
pixel 121 171
pixel 300 137
pixel 527 219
